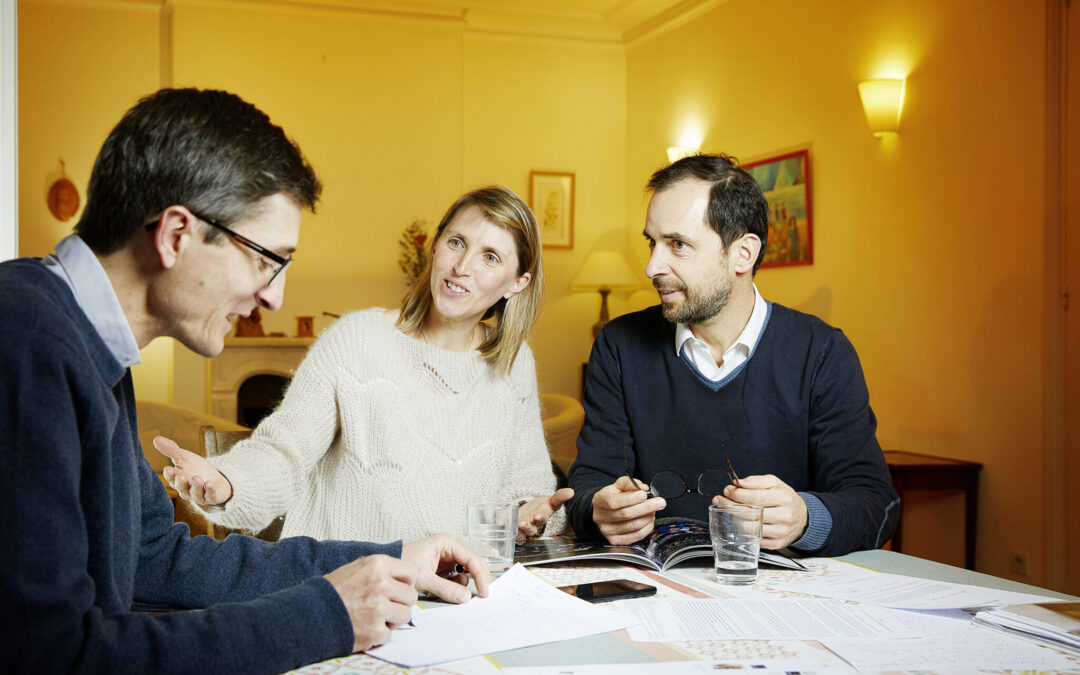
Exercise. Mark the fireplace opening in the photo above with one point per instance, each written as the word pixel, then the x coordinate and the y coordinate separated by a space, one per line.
pixel 257 397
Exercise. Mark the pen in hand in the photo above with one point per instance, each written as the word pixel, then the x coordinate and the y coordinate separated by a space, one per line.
pixel 457 569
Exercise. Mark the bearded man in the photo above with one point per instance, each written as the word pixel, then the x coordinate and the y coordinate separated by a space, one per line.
pixel 716 377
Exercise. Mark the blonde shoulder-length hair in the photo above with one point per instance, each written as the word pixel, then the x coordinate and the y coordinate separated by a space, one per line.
pixel 508 320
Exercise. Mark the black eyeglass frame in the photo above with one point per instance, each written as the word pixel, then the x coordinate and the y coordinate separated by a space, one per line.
pixel 241 239
pixel 730 471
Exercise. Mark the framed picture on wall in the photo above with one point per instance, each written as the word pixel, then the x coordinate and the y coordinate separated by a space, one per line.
pixel 785 180
pixel 551 196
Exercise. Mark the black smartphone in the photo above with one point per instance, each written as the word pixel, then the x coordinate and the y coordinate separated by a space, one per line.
pixel 606 591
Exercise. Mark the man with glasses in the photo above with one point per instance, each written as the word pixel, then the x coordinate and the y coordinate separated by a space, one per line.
pixel 193 214
pixel 717 396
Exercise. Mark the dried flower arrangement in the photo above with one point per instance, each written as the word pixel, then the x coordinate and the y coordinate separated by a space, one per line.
pixel 413 256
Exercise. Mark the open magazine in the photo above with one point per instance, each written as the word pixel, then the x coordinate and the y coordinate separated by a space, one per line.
pixel 673 541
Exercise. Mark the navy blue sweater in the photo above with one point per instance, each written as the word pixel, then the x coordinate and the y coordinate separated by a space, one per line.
pixel 87 527
pixel 798 408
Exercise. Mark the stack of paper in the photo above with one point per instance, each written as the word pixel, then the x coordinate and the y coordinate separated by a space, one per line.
pixel 1055 624
pixel 520 611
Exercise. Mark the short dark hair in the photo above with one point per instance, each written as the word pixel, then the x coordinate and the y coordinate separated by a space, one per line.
pixel 736 204
pixel 208 150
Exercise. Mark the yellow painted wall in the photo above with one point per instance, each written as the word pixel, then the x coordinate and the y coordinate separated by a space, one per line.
pixel 80 67
pixel 927 246
pixel 398 114
pixel 374 103
pixel 533 105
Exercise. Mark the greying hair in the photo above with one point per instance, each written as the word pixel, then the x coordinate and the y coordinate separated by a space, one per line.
pixel 208 150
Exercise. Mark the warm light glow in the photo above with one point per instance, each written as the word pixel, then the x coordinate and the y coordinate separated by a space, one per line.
pixel 690 133
pixel 605 270
pixel 677 152
pixel 691 136
pixel 883 100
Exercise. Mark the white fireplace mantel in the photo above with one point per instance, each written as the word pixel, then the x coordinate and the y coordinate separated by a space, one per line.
pixel 244 357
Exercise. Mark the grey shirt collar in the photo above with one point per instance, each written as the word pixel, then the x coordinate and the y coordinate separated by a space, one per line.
pixel 76 264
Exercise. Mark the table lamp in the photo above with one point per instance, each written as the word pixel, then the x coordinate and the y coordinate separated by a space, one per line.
pixel 604 271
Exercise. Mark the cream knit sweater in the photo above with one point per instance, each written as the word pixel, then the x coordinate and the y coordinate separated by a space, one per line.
pixel 383 437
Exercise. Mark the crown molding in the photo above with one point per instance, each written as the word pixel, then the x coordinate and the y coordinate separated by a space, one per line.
pixel 626 22
pixel 673 17
pixel 152 6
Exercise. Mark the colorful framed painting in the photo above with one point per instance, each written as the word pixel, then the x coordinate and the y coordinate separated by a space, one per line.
pixel 785 180
pixel 551 196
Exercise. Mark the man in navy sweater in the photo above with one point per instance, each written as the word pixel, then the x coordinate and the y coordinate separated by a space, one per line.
pixel 192 215
pixel 716 367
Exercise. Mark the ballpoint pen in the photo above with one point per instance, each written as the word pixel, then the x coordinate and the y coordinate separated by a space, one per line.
pixel 457 569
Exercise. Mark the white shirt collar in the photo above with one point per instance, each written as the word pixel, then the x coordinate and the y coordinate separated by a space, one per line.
pixel 700 355
pixel 76 264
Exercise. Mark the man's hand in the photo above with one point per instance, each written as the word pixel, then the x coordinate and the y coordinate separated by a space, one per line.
pixel 623 511
pixel 194 478
pixel 533 515
pixel 437 555
pixel 785 511
pixel 378 592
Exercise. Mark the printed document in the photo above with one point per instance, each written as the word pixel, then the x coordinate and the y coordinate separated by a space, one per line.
pixel 757 666
pixel 521 610
pixel 949 642
pixel 902 592
pixel 672 619
pixel 987 652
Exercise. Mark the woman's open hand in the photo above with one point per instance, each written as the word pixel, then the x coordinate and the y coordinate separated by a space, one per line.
pixel 193 478
pixel 534 514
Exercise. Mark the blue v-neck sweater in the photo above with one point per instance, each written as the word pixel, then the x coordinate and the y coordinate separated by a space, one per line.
pixel 798 408
pixel 87 527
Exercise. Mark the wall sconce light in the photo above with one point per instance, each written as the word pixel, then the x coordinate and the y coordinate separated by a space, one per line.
pixel 677 152
pixel 882 100
pixel 604 271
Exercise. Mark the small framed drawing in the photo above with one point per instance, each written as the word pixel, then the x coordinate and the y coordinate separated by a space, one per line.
pixel 785 180
pixel 551 196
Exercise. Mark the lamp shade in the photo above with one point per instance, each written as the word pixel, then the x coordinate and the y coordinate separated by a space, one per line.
pixel 606 270
pixel 883 101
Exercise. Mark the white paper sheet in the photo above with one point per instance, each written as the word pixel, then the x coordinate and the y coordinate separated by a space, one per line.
pixel 521 610
pixel 758 666
pixel 670 619
pixel 895 590
pixel 988 652
pixel 926 623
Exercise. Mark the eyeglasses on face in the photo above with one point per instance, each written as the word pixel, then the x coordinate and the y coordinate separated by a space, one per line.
pixel 671 484
pixel 280 263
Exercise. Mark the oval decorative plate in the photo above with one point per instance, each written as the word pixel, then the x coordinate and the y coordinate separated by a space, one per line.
pixel 63 199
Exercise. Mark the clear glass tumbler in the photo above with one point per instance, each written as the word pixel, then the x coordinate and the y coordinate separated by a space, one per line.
pixel 492 529
pixel 735 530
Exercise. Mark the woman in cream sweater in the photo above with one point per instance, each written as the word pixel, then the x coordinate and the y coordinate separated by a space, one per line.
pixel 397 419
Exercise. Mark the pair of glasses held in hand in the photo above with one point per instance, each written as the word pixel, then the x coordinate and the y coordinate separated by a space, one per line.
pixel 671 484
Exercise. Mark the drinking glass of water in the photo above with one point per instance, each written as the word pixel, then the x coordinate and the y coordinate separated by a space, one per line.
pixel 492 530
pixel 735 530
